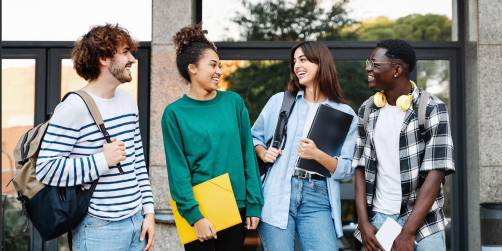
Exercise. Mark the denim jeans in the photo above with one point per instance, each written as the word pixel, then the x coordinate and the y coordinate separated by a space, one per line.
pixel 309 217
pixel 96 234
pixel 434 242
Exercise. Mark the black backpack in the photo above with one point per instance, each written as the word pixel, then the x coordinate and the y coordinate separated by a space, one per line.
pixel 52 210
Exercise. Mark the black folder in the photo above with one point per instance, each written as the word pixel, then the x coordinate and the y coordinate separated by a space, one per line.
pixel 329 130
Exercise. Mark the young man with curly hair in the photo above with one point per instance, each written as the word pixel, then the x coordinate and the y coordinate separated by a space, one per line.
pixel 74 152
pixel 401 158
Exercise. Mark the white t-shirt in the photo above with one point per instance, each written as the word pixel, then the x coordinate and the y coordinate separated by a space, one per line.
pixel 388 181
pixel 310 117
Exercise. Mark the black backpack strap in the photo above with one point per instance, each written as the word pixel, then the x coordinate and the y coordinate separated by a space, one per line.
pixel 69 236
pixel 279 138
pixel 288 102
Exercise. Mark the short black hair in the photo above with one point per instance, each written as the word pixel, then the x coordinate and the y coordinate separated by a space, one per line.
pixel 399 49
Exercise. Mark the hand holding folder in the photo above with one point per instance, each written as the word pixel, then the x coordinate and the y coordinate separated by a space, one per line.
pixel 328 131
pixel 217 204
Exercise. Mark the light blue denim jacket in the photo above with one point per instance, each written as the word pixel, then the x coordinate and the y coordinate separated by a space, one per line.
pixel 277 186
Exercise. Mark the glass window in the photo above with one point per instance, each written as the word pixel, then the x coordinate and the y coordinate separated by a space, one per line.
pixel 71 81
pixel 293 20
pixel 18 113
pixel 257 81
pixel 434 76
pixel 32 20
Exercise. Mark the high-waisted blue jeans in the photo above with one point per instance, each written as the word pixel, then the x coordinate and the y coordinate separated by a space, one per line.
pixel 309 217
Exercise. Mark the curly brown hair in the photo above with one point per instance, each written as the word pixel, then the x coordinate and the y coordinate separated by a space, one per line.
pixel 190 42
pixel 100 42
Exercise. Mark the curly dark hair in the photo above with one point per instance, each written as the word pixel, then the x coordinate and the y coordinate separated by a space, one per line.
pixel 100 42
pixel 399 49
pixel 190 43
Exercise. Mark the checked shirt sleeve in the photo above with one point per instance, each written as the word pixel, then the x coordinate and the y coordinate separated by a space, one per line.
pixel 360 158
pixel 439 148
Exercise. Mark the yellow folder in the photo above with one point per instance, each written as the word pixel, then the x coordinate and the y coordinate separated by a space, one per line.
pixel 216 203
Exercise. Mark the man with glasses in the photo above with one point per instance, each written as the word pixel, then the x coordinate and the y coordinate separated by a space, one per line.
pixel 400 164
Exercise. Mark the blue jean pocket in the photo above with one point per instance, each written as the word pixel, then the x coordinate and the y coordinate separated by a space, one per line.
pixel 320 186
pixel 94 222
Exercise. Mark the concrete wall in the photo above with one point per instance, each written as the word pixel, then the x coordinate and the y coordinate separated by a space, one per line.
pixel 490 109
pixel 167 85
pixel 483 109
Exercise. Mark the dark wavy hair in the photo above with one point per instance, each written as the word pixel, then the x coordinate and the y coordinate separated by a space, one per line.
pixel 326 79
pixel 100 42
pixel 190 43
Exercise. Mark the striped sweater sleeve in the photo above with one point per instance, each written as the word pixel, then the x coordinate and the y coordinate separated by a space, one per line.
pixel 142 172
pixel 57 164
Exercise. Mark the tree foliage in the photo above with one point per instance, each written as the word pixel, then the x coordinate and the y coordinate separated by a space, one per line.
pixel 300 20
pixel 284 21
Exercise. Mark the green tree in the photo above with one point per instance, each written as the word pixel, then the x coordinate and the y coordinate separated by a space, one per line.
pixel 415 27
pixel 302 20
pixel 257 81
pixel 284 21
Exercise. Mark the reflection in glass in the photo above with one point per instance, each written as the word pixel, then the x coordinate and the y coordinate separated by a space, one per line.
pixel 18 113
pixel 434 76
pixel 71 81
pixel 257 81
pixel 294 20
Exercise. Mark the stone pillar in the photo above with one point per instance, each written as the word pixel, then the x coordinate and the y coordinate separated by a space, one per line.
pixel 483 109
pixel 490 99
pixel 472 125
pixel 166 86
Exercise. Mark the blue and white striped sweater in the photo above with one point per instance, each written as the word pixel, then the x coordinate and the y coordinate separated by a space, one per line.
pixel 71 154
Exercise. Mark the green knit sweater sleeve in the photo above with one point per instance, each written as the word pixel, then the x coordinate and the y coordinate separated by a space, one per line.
pixel 178 172
pixel 254 194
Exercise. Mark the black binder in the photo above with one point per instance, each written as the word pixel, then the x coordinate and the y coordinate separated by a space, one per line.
pixel 329 130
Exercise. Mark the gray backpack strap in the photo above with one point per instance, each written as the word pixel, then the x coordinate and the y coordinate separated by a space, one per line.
pixel 367 111
pixel 423 101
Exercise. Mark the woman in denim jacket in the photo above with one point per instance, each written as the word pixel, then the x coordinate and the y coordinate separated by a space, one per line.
pixel 299 201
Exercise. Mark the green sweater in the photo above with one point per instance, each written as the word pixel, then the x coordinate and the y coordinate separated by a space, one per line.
pixel 205 139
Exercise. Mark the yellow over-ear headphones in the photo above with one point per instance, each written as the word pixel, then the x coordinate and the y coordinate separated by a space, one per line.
pixel 403 102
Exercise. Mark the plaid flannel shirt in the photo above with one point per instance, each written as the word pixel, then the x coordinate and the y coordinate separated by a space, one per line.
pixel 420 151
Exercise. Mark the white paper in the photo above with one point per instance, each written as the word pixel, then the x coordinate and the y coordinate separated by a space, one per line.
pixel 388 233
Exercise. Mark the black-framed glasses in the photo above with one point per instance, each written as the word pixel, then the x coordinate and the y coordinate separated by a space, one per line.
pixel 371 64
